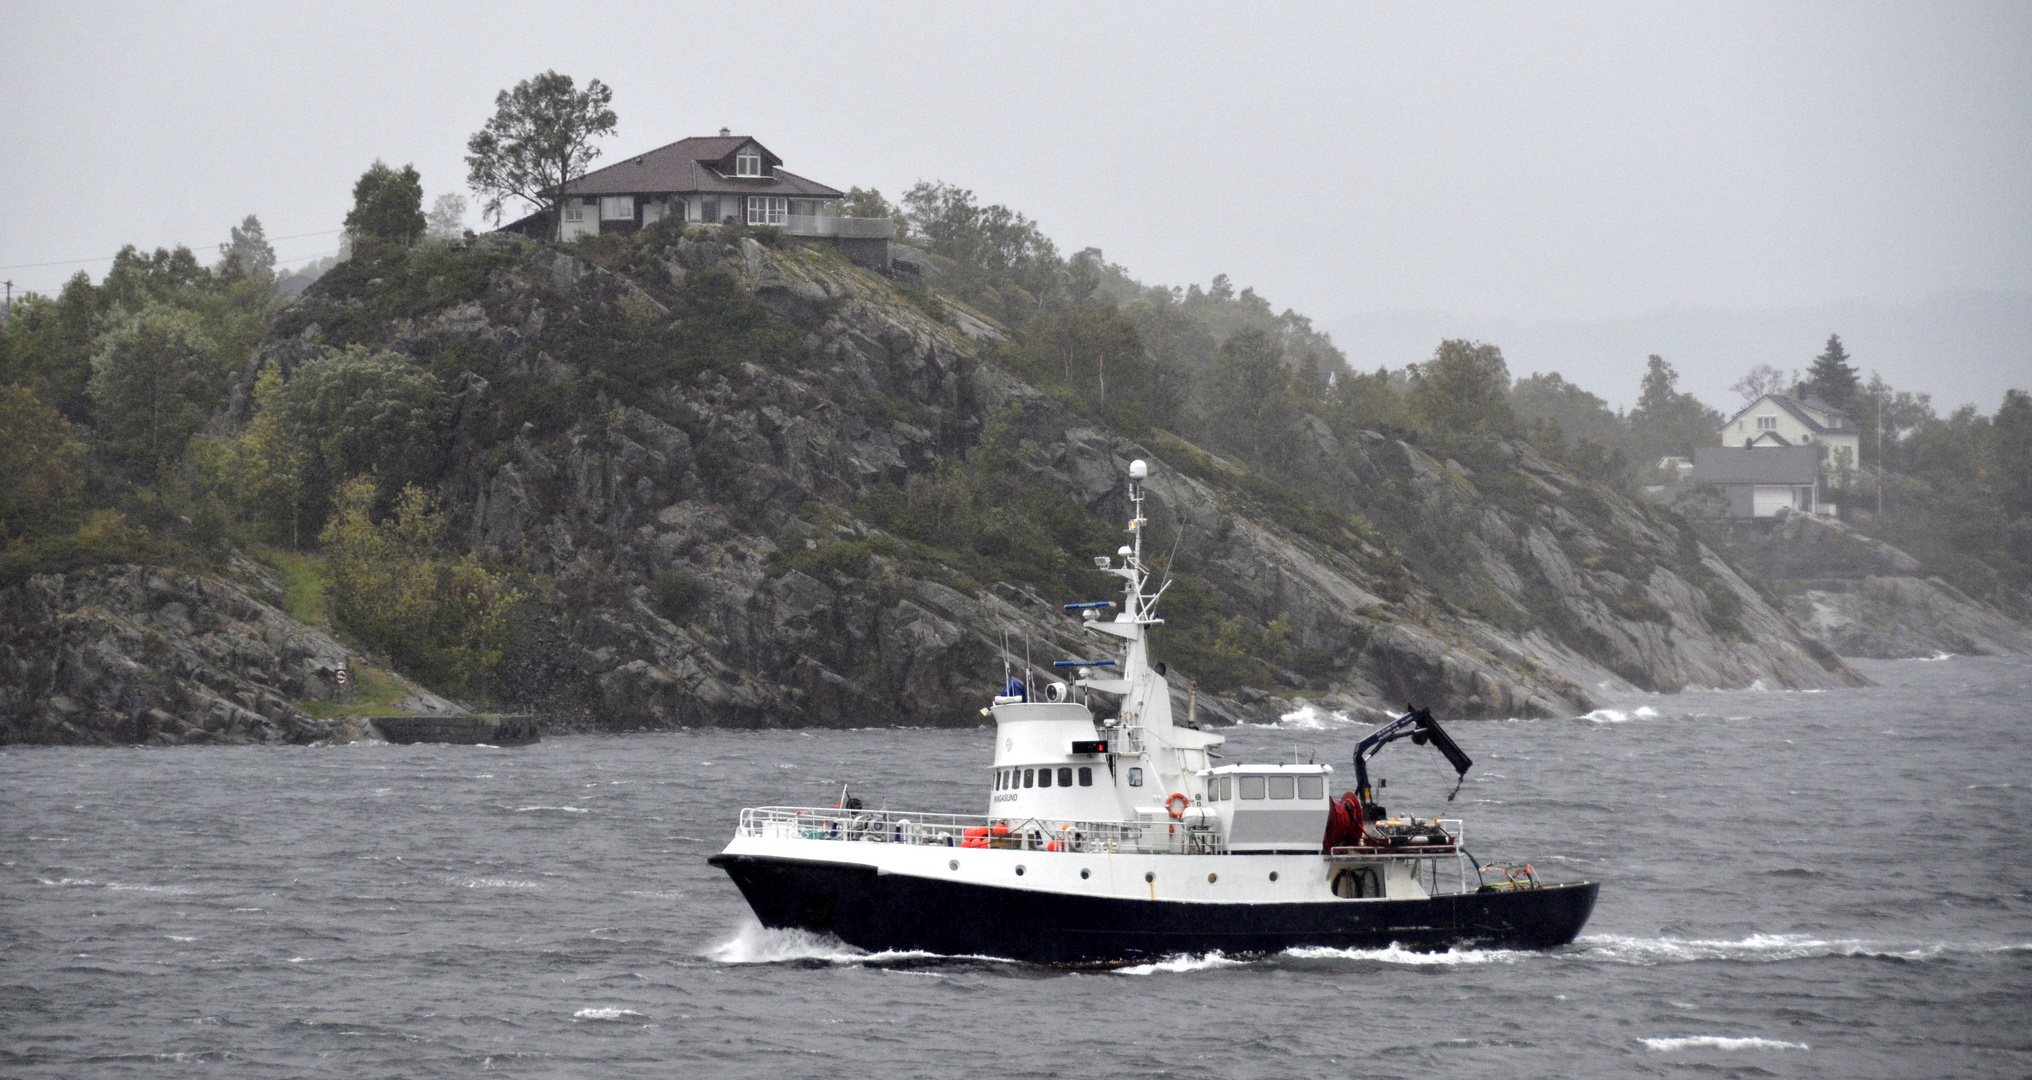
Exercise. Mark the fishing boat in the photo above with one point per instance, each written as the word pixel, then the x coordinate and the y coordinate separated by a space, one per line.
pixel 1115 833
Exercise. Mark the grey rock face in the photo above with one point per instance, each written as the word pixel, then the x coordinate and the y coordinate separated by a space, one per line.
pixel 665 525
pixel 1869 599
pixel 141 654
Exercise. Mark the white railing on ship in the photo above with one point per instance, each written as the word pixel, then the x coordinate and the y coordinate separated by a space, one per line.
pixel 977 830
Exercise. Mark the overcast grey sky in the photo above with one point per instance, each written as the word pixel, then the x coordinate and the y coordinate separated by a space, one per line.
pixel 1580 184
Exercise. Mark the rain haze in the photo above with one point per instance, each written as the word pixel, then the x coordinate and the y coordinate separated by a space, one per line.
pixel 1723 184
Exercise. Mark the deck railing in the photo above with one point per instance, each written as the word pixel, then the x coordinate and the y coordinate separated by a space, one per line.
pixel 1161 836
pixel 849 227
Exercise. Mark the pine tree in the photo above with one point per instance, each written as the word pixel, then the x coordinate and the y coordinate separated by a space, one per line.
pixel 1832 378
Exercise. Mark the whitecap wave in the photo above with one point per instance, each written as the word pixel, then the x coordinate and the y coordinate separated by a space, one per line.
pixel 1309 717
pixel 498 883
pixel 604 1014
pixel 1934 659
pixel 1766 948
pixel 1608 716
pixel 1397 954
pixel 552 809
pixel 1182 964
pixel 754 943
pixel 1720 1042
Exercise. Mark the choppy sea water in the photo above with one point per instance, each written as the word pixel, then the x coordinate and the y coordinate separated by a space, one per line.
pixel 1794 884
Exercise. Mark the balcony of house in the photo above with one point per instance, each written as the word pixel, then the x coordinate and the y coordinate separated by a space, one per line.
pixel 843 228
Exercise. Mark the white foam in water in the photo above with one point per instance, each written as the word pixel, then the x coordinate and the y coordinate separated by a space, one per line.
pixel 604 1014
pixel 553 809
pixel 1934 659
pixel 1765 948
pixel 1721 1042
pixel 1397 954
pixel 1182 964
pixel 1608 716
pixel 1309 718
pixel 754 943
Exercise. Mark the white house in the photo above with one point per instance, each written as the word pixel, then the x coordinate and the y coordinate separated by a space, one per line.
pixel 1777 420
pixel 1759 481
pixel 724 179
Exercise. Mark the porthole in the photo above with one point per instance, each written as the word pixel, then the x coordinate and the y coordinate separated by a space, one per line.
pixel 1019 871
pixel 1150 875
pixel 1084 874
pixel 1211 878
pixel 1273 873
pixel 955 864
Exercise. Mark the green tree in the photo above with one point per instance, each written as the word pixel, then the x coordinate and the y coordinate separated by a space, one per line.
pixel 248 252
pixel 869 203
pixel 387 206
pixel 2011 448
pixel 350 412
pixel 1001 262
pixel 148 387
pixel 1668 422
pixel 539 139
pixel 41 467
pixel 1249 398
pixel 1096 355
pixel 50 344
pixel 444 618
pixel 447 217
pixel 1462 394
pixel 1832 378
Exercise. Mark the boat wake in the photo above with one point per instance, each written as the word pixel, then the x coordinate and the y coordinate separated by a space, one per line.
pixel 1766 948
pixel 1720 1042
pixel 754 943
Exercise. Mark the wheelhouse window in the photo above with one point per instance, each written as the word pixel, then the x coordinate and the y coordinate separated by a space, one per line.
pixel 1283 787
pixel 1086 776
pixel 1065 776
pixel 1135 778
pixel 617 208
pixel 767 209
pixel 1312 787
pixel 748 162
pixel 1252 787
pixel 1030 778
pixel 1227 788
pixel 1044 778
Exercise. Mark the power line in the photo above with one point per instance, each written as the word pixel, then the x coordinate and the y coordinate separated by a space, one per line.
pixel 110 258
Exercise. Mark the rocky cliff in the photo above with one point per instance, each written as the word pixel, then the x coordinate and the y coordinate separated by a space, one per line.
pixel 1866 598
pixel 767 537
pixel 143 654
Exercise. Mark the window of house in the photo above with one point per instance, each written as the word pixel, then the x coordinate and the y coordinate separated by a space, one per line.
pixel 748 162
pixel 573 213
pixel 617 208
pixel 1312 787
pixel 1135 778
pixel 1030 778
pixel 1065 776
pixel 709 209
pixel 767 209
pixel 1252 787
pixel 1767 423
pixel 1086 776
pixel 1283 787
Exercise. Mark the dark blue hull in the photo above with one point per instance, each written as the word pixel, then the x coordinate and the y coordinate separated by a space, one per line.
pixel 904 913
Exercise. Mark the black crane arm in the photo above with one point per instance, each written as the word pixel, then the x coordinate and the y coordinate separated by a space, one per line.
pixel 1418 726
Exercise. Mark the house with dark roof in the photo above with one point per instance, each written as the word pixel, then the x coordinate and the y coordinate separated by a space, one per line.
pixel 1779 420
pixel 724 179
pixel 1759 481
